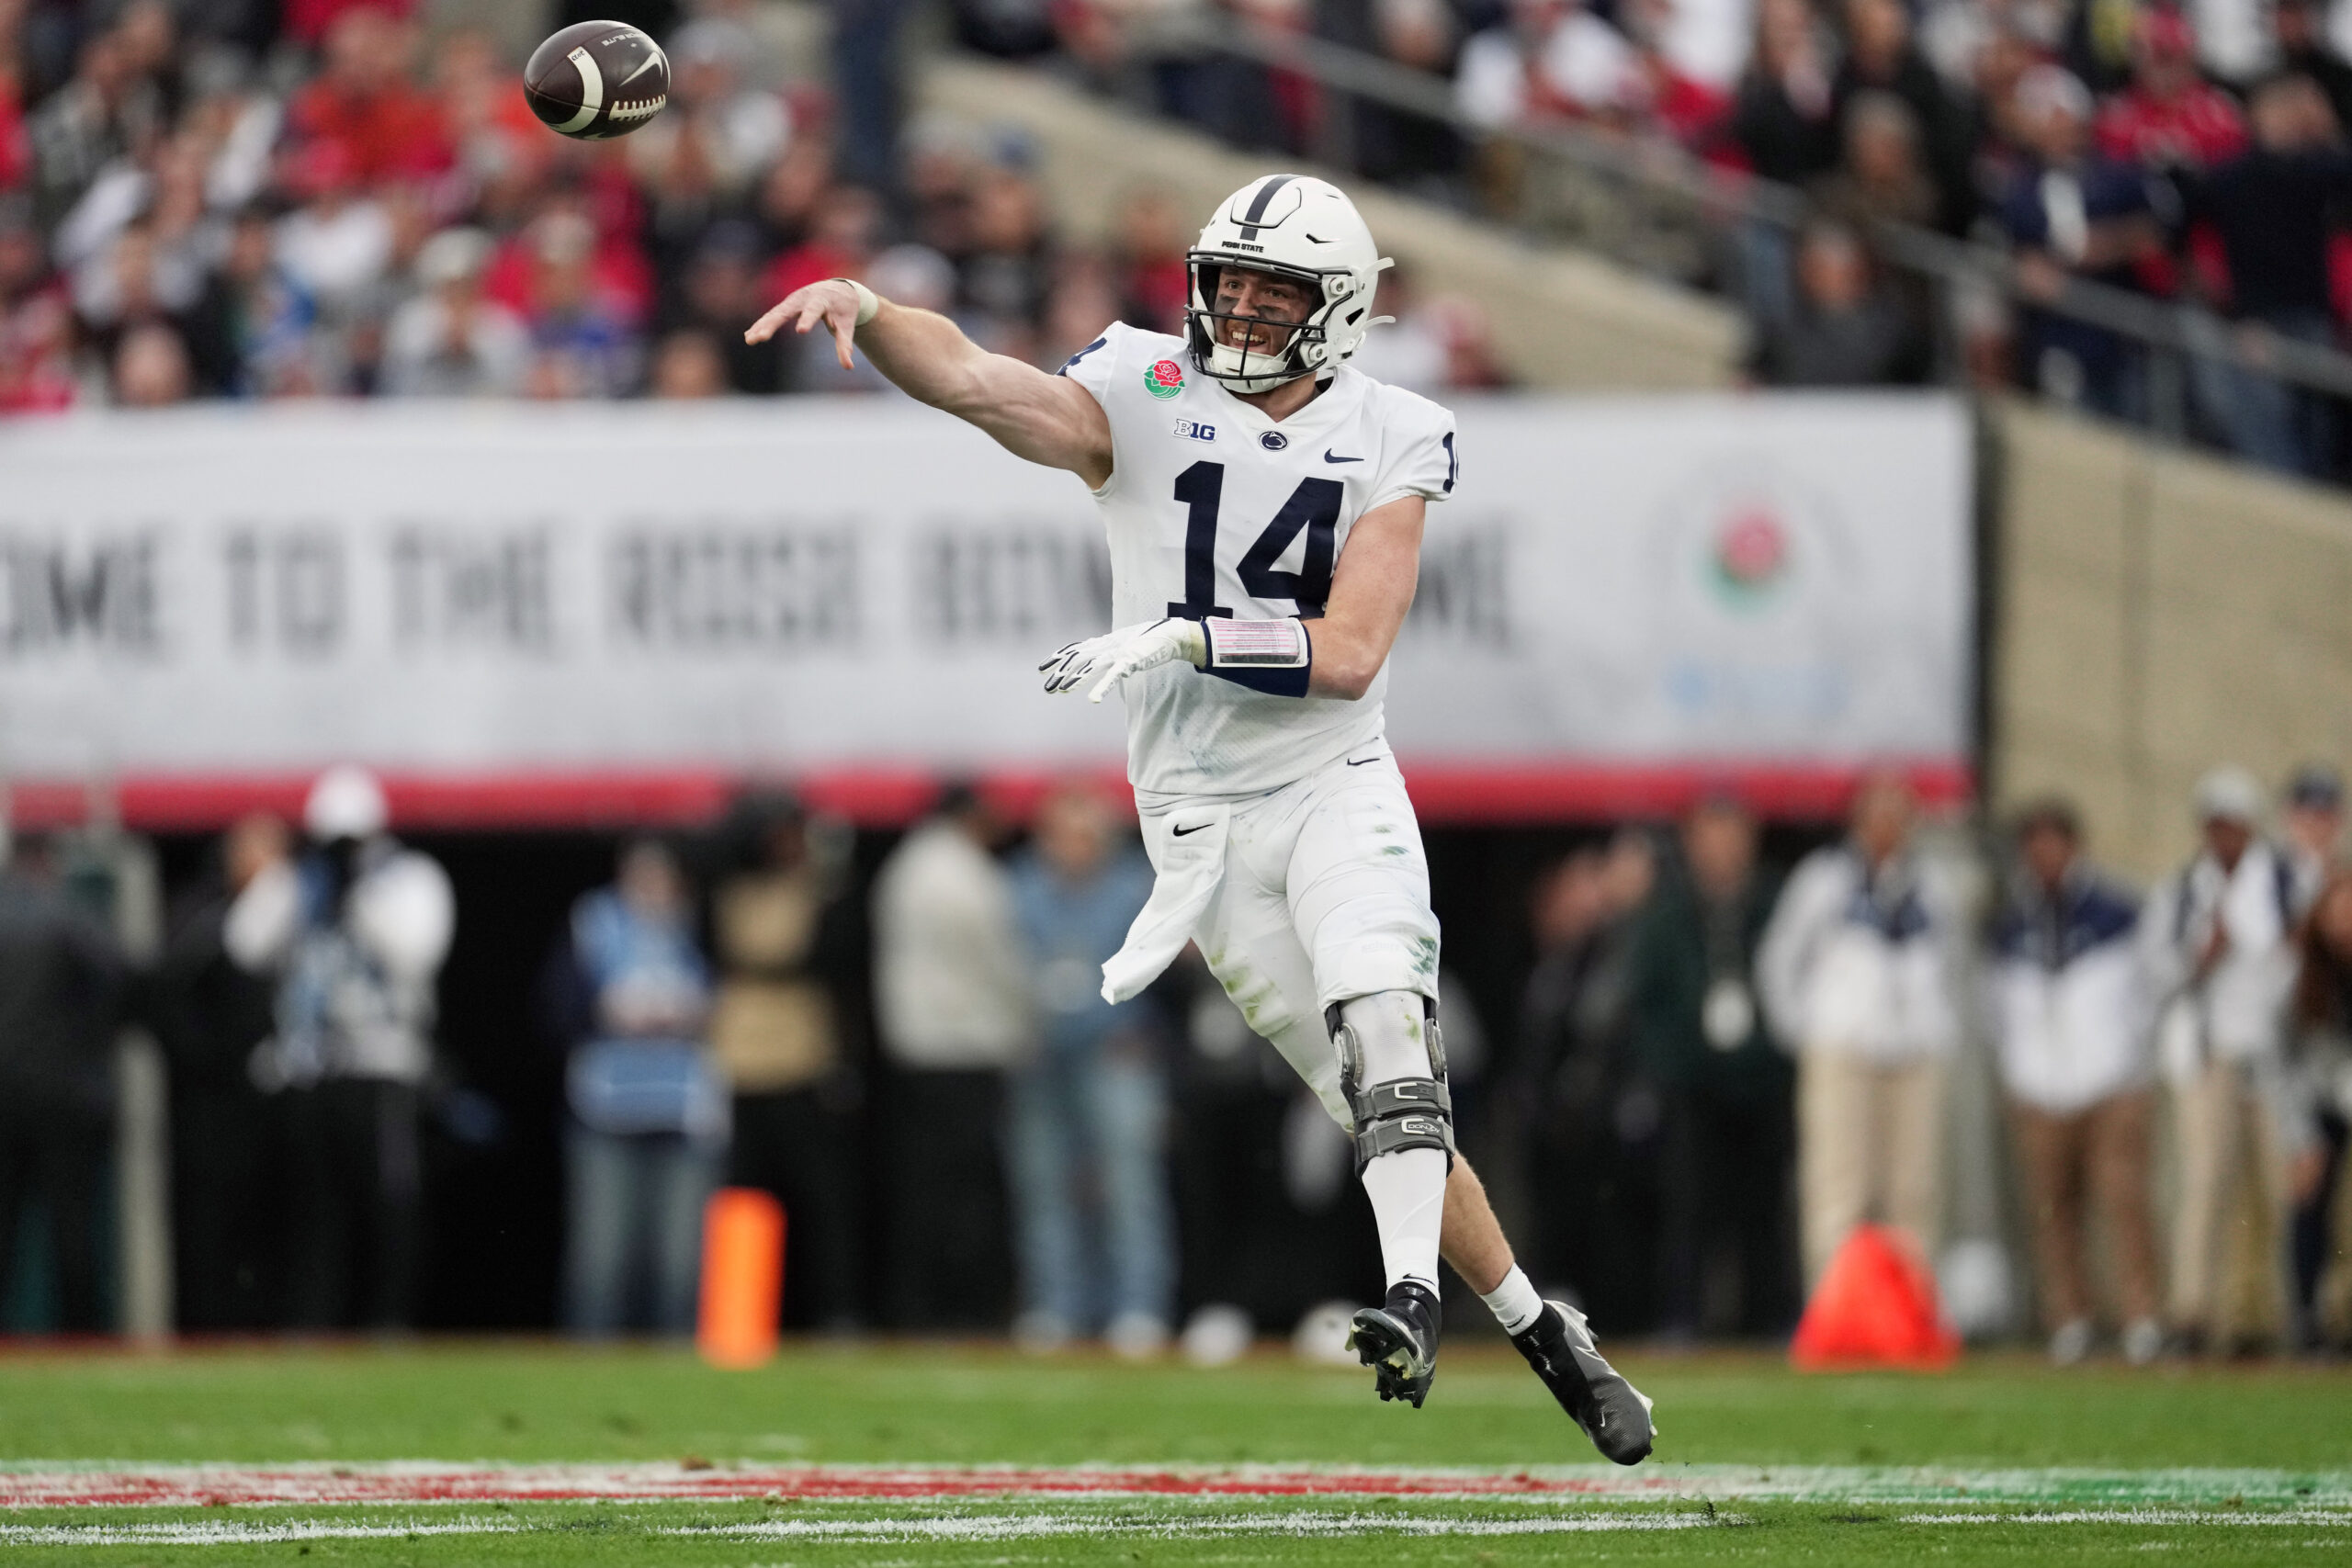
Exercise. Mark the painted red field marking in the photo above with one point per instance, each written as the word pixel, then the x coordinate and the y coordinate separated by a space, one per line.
pixel 214 1486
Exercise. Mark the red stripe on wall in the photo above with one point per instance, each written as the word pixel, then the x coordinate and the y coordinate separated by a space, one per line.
pixel 1514 794
pixel 1571 792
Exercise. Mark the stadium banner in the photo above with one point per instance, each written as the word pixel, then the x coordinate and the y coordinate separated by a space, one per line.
pixel 606 612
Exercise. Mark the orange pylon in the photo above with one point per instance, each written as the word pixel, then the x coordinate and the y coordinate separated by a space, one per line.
pixel 1875 1306
pixel 742 1276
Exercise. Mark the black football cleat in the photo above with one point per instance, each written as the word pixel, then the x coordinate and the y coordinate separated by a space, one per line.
pixel 1398 1341
pixel 1613 1414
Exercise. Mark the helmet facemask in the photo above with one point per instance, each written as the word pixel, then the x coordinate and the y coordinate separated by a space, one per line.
pixel 1304 349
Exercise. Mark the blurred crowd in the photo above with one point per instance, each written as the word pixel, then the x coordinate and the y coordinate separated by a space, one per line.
pixel 203 201
pixel 1717 1067
pixel 220 200
pixel 1743 1067
pixel 2185 151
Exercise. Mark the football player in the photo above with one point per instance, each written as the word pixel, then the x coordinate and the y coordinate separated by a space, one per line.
pixel 1264 503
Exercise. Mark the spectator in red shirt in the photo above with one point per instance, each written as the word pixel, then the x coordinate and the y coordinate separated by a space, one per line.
pixel 489 125
pixel 16 145
pixel 36 321
pixel 2169 119
pixel 620 278
pixel 585 343
pixel 841 236
pixel 366 102
pixel 1660 99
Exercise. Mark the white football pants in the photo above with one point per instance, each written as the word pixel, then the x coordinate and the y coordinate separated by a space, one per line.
pixel 1324 898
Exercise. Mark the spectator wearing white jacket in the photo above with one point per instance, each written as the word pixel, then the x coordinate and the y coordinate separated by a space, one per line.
pixel 2071 1020
pixel 354 933
pixel 952 998
pixel 2214 940
pixel 1856 973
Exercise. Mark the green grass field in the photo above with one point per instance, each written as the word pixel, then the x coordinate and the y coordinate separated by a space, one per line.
pixel 2003 1460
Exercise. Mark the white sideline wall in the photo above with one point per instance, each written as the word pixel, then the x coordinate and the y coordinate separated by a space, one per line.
pixel 2159 610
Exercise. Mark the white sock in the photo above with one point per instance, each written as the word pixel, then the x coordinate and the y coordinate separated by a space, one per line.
pixel 1407 1193
pixel 1514 1301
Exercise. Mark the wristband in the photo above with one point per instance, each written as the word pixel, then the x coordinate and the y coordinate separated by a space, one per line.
pixel 1273 657
pixel 869 304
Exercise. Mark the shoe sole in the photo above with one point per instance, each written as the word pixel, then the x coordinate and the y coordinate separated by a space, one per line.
pixel 1381 1343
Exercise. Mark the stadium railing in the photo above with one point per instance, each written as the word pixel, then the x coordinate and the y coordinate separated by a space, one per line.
pixel 1666 196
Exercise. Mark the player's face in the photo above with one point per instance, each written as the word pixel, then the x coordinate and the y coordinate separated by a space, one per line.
pixel 1273 306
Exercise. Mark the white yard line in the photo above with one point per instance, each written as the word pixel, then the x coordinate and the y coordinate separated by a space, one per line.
pixel 234 1533
pixel 1028 1525
pixel 1017 1527
pixel 982 1527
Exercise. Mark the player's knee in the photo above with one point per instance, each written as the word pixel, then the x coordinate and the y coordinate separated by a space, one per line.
pixel 1392 1070
pixel 1391 1031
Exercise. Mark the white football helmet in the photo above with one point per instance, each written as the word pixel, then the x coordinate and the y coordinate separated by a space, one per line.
pixel 1297 226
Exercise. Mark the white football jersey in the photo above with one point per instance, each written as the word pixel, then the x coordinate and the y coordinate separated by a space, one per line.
pixel 1214 509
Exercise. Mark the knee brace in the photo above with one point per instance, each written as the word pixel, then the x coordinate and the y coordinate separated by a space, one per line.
pixel 1405 1113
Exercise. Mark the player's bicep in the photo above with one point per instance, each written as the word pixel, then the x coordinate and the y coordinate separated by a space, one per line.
pixel 1372 588
pixel 1048 419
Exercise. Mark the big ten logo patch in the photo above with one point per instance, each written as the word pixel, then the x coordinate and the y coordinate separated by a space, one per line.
pixel 1164 380
pixel 1194 430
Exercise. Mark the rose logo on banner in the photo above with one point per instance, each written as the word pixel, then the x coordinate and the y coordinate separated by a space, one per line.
pixel 1164 380
pixel 1751 553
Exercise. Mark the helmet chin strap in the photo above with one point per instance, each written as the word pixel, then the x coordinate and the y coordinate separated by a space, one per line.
pixel 1226 363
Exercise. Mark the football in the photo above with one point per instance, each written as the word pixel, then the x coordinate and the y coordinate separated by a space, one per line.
pixel 596 79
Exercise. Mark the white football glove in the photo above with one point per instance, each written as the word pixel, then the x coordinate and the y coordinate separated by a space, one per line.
pixel 1113 657
pixel 1073 662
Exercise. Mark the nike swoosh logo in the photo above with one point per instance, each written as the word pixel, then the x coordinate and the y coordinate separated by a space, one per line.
pixel 1180 832
pixel 642 70
pixel 1330 459
pixel 1360 761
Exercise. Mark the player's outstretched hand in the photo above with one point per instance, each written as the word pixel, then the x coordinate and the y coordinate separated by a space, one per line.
pixel 1130 650
pixel 1068 666
pixel 832 301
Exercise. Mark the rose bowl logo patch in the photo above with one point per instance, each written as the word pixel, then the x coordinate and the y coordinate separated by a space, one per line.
pixel 1164 380
pixel 1751 553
